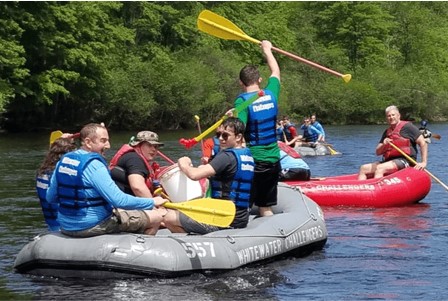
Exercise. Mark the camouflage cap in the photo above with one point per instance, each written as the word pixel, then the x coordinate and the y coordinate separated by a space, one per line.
pixel 147 136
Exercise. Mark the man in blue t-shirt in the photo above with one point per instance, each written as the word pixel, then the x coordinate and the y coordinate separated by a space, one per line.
pixel 318 126
pixel 90 203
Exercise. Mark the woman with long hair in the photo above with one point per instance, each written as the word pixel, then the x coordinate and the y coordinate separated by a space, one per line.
pixel 57 149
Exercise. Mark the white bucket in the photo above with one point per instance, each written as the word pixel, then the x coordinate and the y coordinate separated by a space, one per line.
pixel 178 186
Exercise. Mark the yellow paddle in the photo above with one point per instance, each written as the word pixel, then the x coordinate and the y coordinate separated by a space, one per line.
pixel 188 143
pixel 58 134
pixel 330 148
pixel 209 211
pixel 54 136
pixel 220 27
pixel 414 162
pixel 332 151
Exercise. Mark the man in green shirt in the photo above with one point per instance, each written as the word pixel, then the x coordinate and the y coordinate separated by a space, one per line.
pixel 260 119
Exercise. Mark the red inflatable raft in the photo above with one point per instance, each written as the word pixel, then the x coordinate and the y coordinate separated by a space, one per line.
pixel 404 187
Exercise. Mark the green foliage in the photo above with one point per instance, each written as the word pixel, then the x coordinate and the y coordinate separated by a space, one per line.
pixel 12 62
pixel 362 29
pixel 146 65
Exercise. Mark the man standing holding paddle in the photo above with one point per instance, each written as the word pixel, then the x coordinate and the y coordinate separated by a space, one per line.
pixel 260 119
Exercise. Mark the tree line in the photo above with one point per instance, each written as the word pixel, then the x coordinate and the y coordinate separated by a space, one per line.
pixel 146 64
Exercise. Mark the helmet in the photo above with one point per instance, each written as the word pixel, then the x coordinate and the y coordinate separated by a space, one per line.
pixel 424 123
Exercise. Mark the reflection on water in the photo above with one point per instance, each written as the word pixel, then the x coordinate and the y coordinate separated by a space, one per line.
pixel 379 254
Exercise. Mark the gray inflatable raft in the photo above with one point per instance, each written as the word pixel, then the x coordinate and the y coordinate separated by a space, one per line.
pixel 297 229
pixel 318 150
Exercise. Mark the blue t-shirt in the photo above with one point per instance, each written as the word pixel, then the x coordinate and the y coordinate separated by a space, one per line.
pixel 288 162
pixel 97 175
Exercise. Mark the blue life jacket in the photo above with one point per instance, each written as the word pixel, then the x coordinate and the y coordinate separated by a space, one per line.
pixel 49 210
pixel 279 133
pixel 261 124
pixel 216 146
pixel 310 136
pixel 242 181
pixel 72 194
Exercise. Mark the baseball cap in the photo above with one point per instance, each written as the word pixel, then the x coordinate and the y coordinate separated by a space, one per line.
pixel 147 136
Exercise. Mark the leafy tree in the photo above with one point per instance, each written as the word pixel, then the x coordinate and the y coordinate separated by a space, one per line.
pixel 362 29
pixel 12 60
pixel 140 64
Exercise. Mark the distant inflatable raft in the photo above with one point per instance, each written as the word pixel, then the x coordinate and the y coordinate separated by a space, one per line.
pixel 317 150
pixel 297 229
pixel 404 187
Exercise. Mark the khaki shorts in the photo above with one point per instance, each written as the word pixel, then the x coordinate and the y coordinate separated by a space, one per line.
pixel 132 221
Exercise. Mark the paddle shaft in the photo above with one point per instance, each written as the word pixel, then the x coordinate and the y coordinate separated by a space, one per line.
pixel 436 136
pixel 165 157
pixel 238 109
pixel 200 131
pixel 211 129
pixel 305 61
pixel 414 162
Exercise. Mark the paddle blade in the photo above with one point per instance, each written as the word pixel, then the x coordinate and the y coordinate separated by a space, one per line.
pixel 188 143
pixel 333 151
pixel 55 135
pixel 220 27
pixel 346 77
pixel 209 211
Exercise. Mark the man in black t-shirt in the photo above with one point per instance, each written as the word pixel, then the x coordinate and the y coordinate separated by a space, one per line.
pixel 405 136
pixel 131 168
pixel 231 174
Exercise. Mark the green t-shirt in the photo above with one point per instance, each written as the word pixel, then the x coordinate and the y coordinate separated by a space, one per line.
pixel 266 153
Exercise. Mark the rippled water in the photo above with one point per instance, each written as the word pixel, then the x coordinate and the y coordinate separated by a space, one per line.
pixel 371 254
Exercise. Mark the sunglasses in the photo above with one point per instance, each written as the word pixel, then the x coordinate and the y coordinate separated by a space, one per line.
pixel 224 135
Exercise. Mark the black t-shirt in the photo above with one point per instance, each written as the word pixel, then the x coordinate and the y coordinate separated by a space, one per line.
pixel 133 164
pixel 129 164
pixel 225 165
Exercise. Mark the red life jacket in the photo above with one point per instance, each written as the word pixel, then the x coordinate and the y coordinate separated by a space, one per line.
pixel 126 148
pixel 288 150
pixel 399 141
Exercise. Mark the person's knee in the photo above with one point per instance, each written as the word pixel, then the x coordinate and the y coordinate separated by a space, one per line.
pixel 381 169
pixel 154 216
pixel 170 217
pixel 364 168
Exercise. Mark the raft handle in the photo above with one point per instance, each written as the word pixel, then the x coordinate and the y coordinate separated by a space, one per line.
pixel 231 239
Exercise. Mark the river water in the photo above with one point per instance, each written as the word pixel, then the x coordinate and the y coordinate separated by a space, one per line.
pixel 371 254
